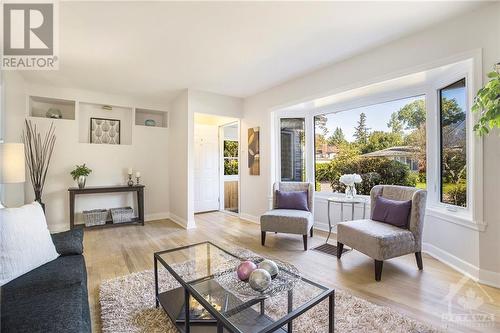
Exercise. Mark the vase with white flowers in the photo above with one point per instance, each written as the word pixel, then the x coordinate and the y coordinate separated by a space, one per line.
pixel 349 180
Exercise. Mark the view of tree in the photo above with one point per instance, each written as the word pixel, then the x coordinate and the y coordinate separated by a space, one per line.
pixel 379 140
pixel 337 137
pixel 395 124
pixel 412 115
pixel 361 131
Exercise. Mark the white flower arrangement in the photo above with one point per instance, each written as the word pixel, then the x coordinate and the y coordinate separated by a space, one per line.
pixel 350 179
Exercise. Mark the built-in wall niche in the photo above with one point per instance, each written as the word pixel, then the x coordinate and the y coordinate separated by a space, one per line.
pixel 54 108
pixel 151 118
pixel 104 124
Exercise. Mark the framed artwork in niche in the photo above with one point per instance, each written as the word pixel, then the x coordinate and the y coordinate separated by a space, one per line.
pixel 254 151
pixel 105 131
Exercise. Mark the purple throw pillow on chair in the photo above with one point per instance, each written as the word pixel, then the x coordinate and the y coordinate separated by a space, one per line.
pixel 292 200
pixel 392 211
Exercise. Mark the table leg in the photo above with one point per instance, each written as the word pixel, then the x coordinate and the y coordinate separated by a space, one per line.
pixel 71 210
pixel 329 221
pixel 140 204
pixel 262 311
pixel 341 212
pixel 352 211
pixel 290 309
pixel 220 327
pixel 156 281
pixel 364 210
pixel 186 310
pixel 331 312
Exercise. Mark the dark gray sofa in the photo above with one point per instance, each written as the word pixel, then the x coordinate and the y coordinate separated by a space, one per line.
pixel 52 297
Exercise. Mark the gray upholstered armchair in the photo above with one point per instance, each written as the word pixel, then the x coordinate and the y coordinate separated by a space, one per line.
pixel 290 221
pixel 383 241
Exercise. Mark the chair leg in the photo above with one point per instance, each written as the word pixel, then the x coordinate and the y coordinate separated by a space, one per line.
pixel 263 237
pixel 340 247
pixel 418 256
pixel 311 231
pixel 304 237
pixel 378 269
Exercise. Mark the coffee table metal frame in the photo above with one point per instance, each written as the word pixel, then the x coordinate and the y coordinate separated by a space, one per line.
pixel 223 322
pixel 342 201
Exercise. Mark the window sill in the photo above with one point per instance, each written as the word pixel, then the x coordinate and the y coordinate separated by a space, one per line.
pixel 461 218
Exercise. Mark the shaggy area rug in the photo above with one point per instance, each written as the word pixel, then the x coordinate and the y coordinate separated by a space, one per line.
pixel 127 306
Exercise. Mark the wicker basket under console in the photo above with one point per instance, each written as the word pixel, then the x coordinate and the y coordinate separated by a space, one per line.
pixel 122 214
pixel 95 217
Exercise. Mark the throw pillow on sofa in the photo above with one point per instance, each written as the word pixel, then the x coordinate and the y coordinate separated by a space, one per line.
pixel 25 241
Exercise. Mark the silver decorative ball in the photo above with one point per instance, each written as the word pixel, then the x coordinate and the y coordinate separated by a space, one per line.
pixel 259 280
pixel 270 266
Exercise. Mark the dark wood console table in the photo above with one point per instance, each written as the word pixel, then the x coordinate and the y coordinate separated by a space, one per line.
pixel 139 189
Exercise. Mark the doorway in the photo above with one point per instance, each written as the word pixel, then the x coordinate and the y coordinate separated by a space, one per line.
pixel 216 164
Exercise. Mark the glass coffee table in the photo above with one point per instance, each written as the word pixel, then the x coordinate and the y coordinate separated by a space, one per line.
pixel 205 303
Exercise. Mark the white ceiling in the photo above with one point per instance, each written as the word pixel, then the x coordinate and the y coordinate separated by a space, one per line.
pixel 232 48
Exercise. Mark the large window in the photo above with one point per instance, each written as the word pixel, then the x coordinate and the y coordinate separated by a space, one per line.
pixel 385 143
pixel 292 136
pixel 453 133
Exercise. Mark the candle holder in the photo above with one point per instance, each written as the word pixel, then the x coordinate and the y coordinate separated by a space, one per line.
pixel 137 179
pixel 130 181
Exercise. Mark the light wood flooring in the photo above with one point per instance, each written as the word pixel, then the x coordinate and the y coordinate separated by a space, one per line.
pixel 422 295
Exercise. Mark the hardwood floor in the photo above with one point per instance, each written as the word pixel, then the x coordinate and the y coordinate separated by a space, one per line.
pixel 422 295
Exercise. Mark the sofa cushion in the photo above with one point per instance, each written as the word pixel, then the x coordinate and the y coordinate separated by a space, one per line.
pixel 25 241
pixel 68 242
pixel 291 200
pixel 378 240
pixel 290 221
pixel 395 212
pixel 50 298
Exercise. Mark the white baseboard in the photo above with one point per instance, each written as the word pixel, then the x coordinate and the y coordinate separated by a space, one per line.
pixel 157 216
pixel 181 221
pixel 250 218
pixel 475 273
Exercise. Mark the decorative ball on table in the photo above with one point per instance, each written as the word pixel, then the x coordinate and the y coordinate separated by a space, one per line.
pixel 259 280
pixel 269 266
pixel 245 269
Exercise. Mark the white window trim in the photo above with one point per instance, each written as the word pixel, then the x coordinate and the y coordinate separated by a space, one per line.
pixel 472 216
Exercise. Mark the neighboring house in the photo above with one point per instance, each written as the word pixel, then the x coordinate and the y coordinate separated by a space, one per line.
pixel 403 154
pixel 325 153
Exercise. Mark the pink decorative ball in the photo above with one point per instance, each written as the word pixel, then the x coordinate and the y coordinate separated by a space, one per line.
pixel 245 269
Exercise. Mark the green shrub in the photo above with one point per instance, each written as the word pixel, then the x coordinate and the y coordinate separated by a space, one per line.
pixel 373 171
pixel 230 167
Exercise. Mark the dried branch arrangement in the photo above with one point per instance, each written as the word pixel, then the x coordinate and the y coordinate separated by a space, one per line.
pixel 38 153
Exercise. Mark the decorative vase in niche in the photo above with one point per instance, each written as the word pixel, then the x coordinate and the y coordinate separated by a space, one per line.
pixel 150 122
pixel 350 191
pixel 54 113
pixel 81 181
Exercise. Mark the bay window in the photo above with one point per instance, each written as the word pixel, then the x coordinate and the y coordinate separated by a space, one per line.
pixel 418 136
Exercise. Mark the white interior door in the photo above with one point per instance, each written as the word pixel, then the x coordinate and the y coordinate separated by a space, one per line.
pixel 206 168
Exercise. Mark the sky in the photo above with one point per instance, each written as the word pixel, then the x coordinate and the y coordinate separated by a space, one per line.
pixel 378 115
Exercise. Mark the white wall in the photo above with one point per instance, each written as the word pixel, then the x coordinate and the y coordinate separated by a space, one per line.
pixel 147 153
pixel 12 119
pixel 180 210
pixel 472 250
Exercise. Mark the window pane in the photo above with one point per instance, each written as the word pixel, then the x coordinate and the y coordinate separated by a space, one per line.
pixel 453 144
pixel 384 143
pixel 230 148
pixel 293 166
pixel 230 166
